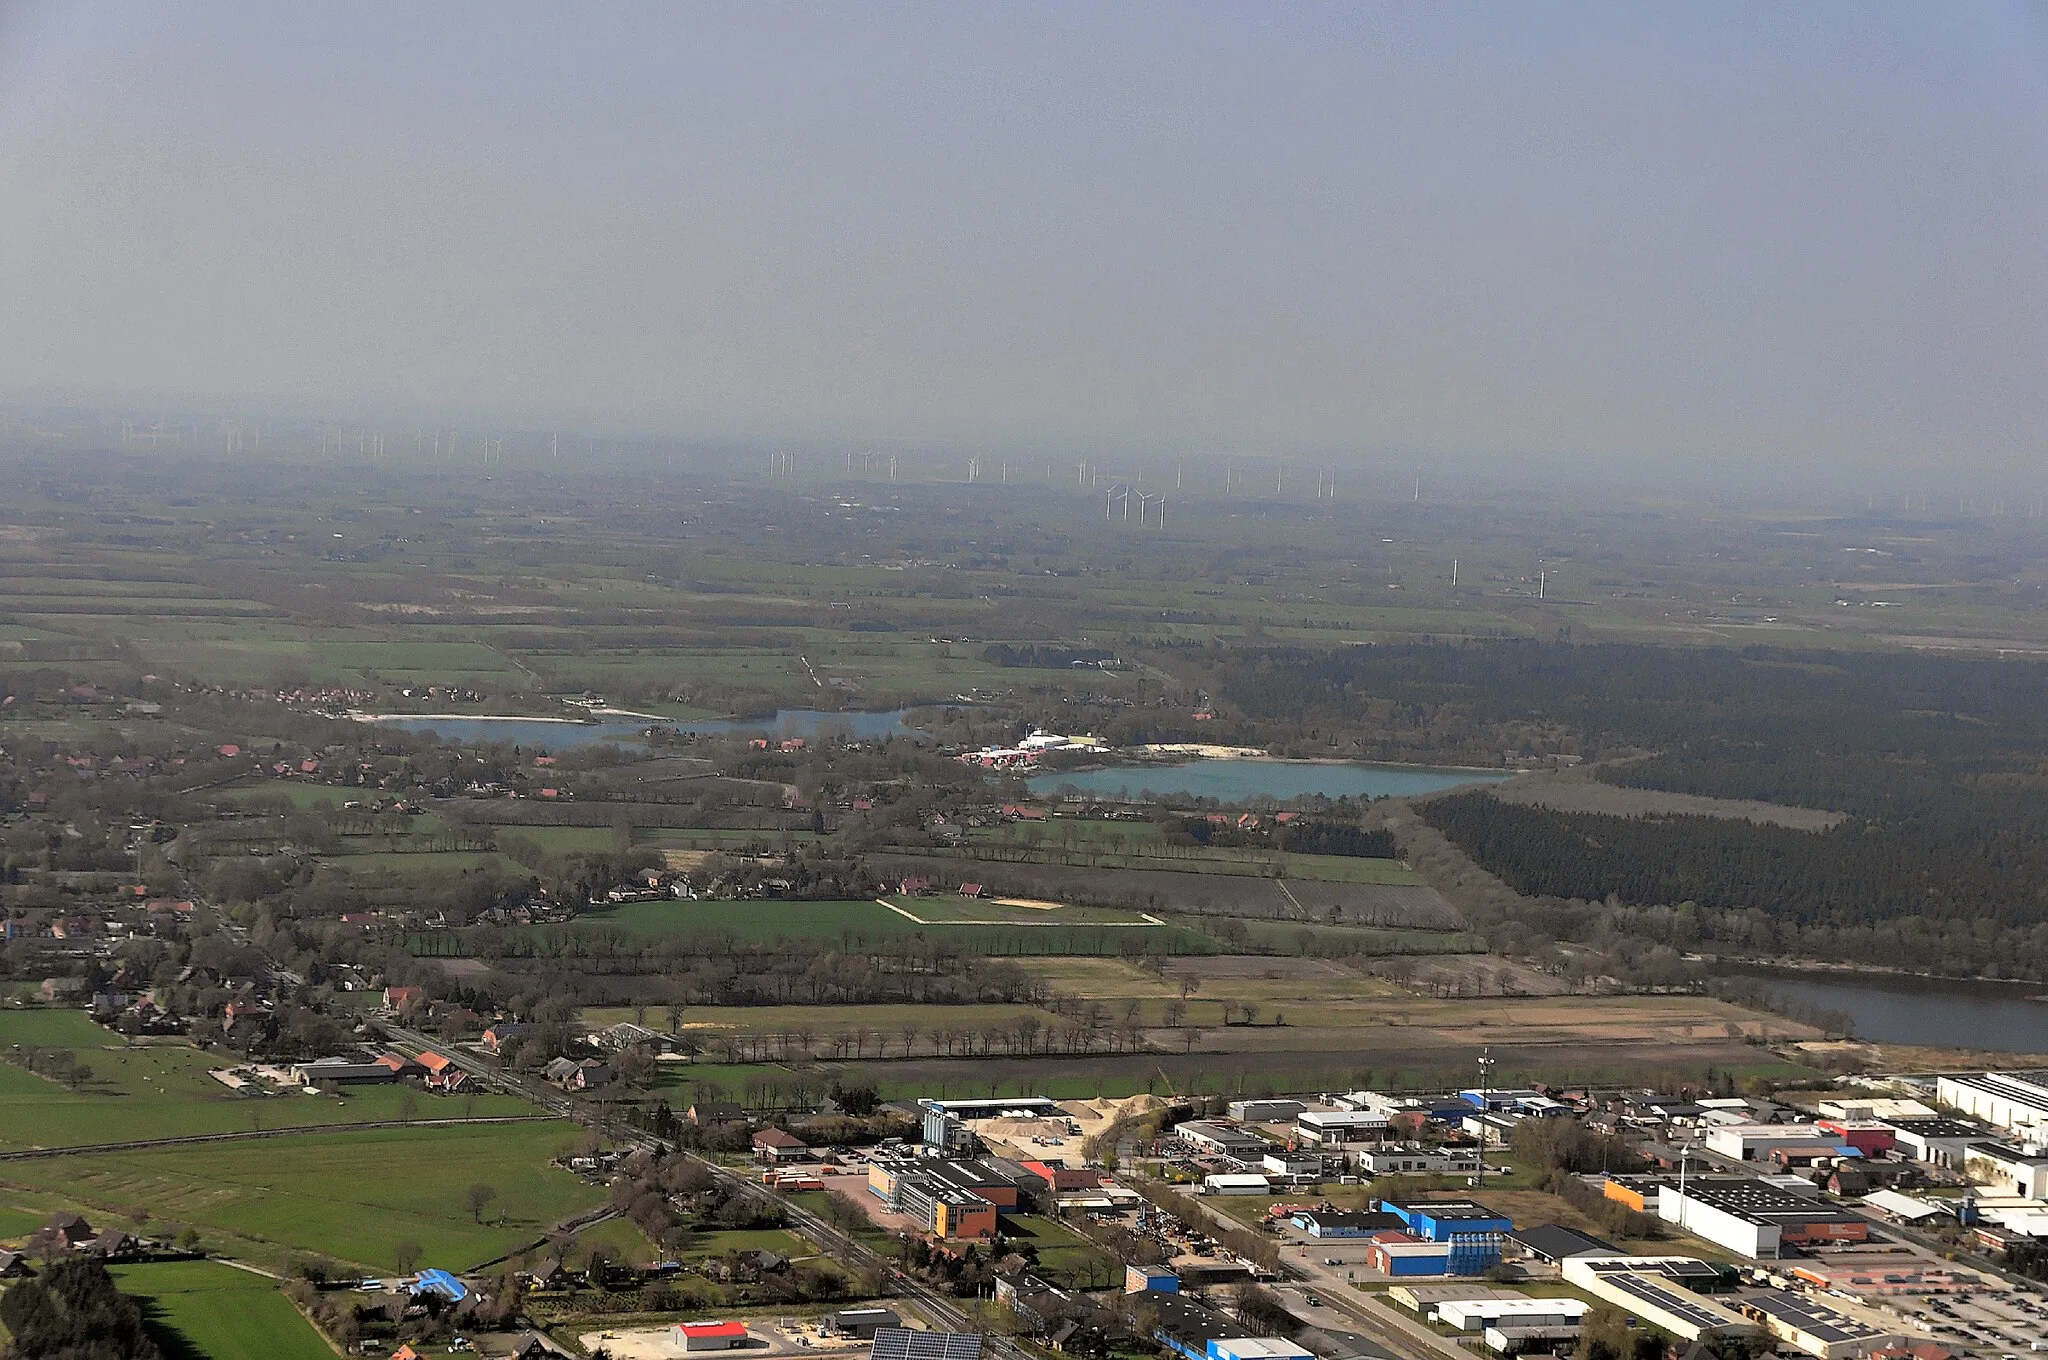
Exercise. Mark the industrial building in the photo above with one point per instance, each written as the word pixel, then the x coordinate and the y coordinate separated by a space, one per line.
pixel 1813 1326
pixel 1150 1280
pixel 1413 1159
pixel 1941 1142
pixel 950 1199
pixel 1448 1220
pixel 1342 1223
pixel 1754 1218
pixel 1652 1298
pixel 709 1336
pixel 1476 1315
pixel 1756 1142
pixel 946 1121
pixel 1334 1127
pixel 1271 1110
pixel 2014 1101
pixel 1399 1253
pixel 862 1323
pixel 1221 1139
pixel 2008 1167
pixel 1236 1183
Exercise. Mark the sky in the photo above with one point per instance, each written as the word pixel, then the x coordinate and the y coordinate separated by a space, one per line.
pixel 1804 236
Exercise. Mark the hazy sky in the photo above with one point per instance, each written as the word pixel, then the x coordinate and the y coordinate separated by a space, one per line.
pixel 1804 234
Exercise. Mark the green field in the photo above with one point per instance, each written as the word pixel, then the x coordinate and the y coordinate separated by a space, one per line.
pixel 162 1090
pixel 206 1309
pixel 352 1196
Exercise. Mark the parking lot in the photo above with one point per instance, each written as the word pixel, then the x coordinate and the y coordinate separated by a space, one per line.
pixel 1983 1322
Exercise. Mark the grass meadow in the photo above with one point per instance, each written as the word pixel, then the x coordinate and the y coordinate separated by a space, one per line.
pixel 162 1090
pixel 203 1310
pixel 350 1196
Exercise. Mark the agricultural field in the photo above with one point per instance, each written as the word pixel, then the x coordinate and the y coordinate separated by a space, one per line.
pixel 350 1196
pixel 207 1309
pixel 161 1090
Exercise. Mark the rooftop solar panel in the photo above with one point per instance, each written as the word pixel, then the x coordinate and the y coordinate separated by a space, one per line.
pixel 902 1343
pixel 1670 1301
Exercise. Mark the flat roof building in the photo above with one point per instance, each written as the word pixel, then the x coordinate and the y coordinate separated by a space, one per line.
pixel 1654 1299
pixel 1753 1218
pixel 1271 1110
pixel 1814 1327
pixel 2014 1101
pixel 1341 1126
pixel 1228 1140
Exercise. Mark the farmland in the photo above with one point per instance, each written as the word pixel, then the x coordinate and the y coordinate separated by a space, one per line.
pixel 204 1308
pixel 350 1196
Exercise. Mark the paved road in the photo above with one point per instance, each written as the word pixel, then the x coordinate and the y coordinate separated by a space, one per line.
pixel 943 1311
pixel 286 1131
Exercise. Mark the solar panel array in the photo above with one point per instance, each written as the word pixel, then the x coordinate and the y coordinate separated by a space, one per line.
pixel 1668 1301
pixel 902 1343
pixel 1814 1319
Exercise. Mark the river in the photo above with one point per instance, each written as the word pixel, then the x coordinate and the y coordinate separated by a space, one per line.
pixel 1943 1012
pixel 1229 780
pixel 559 736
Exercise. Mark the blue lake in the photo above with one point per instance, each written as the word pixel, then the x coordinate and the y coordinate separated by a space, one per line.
pixel 1234 781
pixel 558 736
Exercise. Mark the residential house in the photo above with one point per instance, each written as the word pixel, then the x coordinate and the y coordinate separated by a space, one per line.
pixel 779 1145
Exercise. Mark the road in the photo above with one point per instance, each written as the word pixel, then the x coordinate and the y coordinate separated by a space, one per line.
pixel 941 1310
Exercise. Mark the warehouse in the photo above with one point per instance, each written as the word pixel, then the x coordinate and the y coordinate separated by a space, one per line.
pixel 2014 1101
pixel 1753 1218
pixel 2008 1167
pixel 1255 1348
pixel 1271 1110
pixel 1334 1127
pixel 1756 1142
pixel 709 1336
pixel 1236 1183
pixel 1941 1142
pixel 1476 1315
pixel 1415 1160
pixel 1345 1223
pixel 1221 1139
pixel 1443 1220
pixel 1813 1326
pixel 1399 1253
pixel 1653 1299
